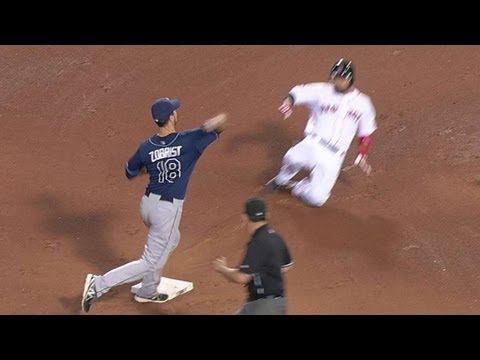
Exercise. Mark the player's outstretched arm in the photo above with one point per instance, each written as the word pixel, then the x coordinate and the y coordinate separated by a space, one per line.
pixel 217 123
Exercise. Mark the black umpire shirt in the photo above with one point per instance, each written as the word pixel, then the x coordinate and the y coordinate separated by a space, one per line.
pixel 266 254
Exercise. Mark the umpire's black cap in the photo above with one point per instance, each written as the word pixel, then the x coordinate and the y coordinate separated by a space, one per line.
pixel 255 209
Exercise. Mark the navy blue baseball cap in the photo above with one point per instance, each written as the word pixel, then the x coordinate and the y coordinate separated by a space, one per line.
pixel 162 109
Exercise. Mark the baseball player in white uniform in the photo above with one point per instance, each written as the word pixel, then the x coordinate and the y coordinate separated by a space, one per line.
pixel 338 113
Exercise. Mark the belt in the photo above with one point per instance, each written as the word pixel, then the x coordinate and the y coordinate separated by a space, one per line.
pixel 256 297
pixel 329 146
pixel 272 297
pixel 162 197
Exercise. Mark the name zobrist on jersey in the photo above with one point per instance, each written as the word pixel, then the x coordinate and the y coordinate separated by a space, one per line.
pixel 164 153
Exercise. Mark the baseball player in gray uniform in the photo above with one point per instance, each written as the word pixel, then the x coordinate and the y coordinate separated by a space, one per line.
pixel 169 158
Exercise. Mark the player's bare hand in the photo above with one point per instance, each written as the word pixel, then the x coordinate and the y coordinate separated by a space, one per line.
pixel 362 163
pixel 286 109
pixel 219 263
pixel 217 123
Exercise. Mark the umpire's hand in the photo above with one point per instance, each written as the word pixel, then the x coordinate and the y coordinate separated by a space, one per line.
pixel 219 263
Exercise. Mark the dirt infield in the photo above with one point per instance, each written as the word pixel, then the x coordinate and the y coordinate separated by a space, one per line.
pixel 404 241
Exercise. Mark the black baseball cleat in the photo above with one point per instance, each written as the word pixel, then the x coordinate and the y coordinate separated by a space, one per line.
pixel 290 185
pixel 159 298
pixel 271 186
pixel 89 293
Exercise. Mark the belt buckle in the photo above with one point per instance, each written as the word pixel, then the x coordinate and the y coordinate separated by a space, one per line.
pixel 160 197
pixel 272 297
pixel 330 147
pixel 166 198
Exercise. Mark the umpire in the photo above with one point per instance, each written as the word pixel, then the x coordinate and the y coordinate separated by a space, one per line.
pixel 267 258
